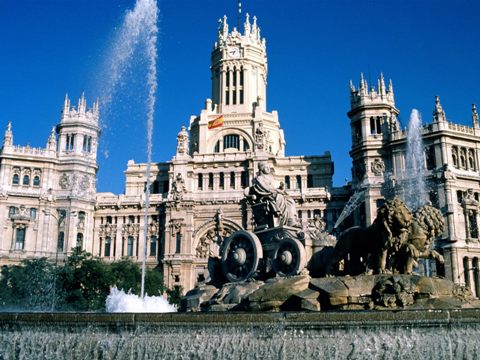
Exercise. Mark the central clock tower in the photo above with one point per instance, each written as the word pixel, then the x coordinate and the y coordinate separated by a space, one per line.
pixel 239 67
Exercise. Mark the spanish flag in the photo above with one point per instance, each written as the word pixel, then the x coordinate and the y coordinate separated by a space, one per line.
pixel 215 122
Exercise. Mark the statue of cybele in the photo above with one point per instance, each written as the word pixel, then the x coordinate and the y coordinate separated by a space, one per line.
pixel 278 201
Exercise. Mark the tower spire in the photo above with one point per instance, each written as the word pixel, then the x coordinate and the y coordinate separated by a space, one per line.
pixel 474 116
pixel 8 138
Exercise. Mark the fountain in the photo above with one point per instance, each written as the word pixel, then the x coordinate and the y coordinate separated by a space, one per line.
pixel 138 33
pixel 415 193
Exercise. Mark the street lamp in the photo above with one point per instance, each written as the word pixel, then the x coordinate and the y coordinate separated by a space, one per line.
pixel 59 217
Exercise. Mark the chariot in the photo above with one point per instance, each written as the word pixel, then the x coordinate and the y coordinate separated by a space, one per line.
pixel 269 250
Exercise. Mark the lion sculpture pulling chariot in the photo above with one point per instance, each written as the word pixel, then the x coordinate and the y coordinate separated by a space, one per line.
pixel 393 243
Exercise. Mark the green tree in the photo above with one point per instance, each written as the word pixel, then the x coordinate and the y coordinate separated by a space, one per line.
pixel 126 275
pixel 28 286
pixel 154 284
pixel 85 282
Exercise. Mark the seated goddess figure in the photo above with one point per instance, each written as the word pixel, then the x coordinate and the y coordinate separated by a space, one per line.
pixel 277 199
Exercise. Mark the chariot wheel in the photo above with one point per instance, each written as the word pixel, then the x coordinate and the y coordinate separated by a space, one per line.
pixel 241 253
pixel 289 257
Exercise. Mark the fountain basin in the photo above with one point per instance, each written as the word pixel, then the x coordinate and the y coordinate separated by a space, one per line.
pixel 427 334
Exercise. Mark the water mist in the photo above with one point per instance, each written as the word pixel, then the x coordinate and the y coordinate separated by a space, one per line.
pixel 415 191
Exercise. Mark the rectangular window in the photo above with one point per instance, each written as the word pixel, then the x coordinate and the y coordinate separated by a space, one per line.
pixel 372 126
pixel 287 182
pixel 241 96
pixel 155 187
pixel 309 181
pixel 178 245
pixel 153 246
pixel 222 181
pixel 244 179
pixel 210 181
pixel 166 186
pixel 80 241
pixel 200 182
pixel 20 239
pixel 299 181
pixel 227 98
pixel 60 241
pixel 108 243
pixel 130 246
pixel 232 180
pixel 379 125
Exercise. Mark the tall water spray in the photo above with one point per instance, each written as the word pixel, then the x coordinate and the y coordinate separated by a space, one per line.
pixel 415 193
pixel 138 35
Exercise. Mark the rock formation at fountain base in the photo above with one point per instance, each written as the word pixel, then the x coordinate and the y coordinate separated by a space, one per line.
pixel 303 293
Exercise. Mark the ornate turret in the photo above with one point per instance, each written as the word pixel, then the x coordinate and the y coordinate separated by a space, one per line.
pixel 239 66
pixel 373 122
pixel 366 96
pixel 438 113
pixel 78 130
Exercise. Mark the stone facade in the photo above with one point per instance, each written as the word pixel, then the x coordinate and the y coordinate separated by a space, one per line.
pixel 47 195
pixel 48 201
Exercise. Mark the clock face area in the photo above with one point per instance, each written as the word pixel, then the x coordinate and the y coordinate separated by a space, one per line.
pixel 234 52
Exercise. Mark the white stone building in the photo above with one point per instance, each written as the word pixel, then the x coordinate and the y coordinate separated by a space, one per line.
pixel 452 173
pixel 47 195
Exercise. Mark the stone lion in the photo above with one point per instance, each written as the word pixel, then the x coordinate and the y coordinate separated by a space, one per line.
pixel 427 224
pixel 367 248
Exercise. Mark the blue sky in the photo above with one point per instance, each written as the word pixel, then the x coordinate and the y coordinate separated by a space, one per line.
pixel 51 47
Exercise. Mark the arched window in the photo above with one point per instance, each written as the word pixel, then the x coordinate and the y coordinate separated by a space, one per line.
pixel 36 180
pixel 108 243
pixel 130 246
pixel 231 141
pixel 26 180
pixel 15 179
pixel 471 160
pixel 455 156
pixel 153 246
